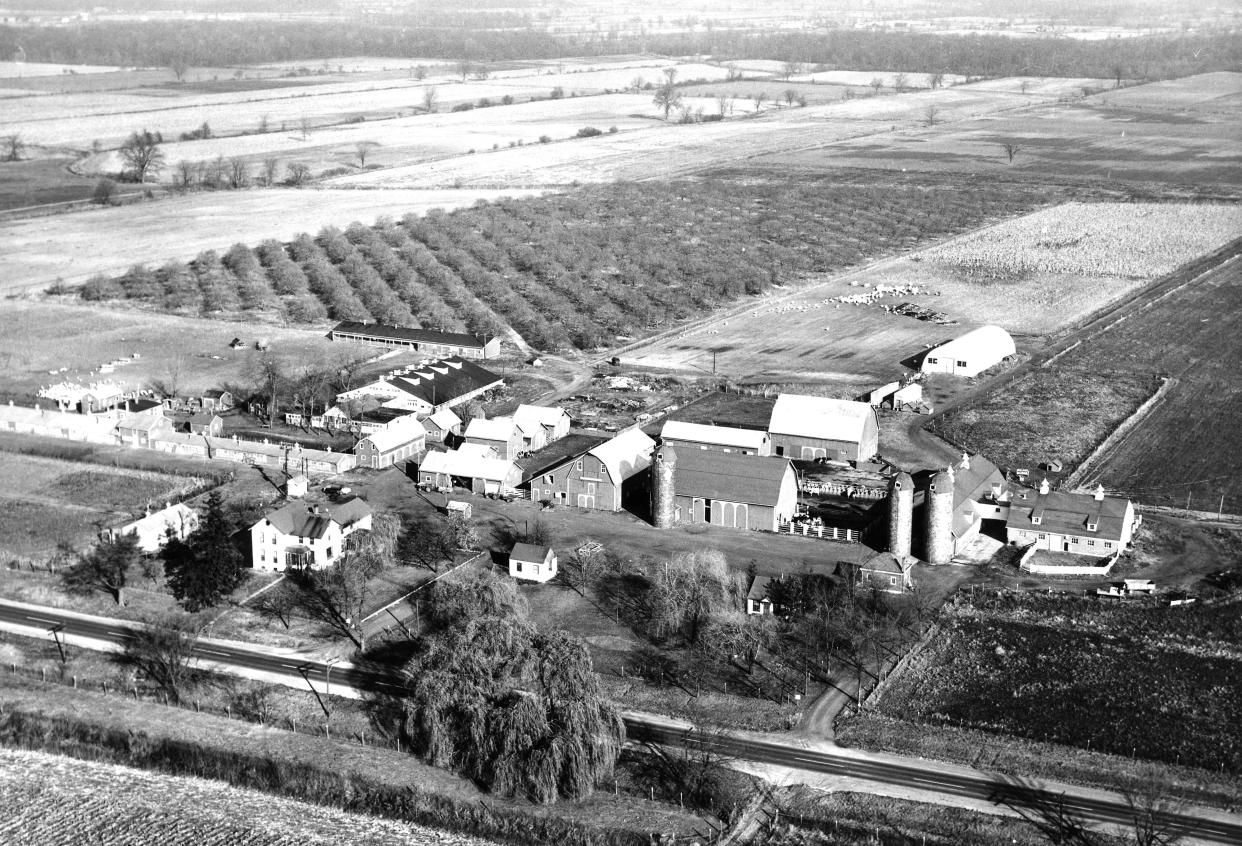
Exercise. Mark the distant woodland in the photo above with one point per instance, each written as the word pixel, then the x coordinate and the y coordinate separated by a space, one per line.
pixel 576 269
pixel 508 38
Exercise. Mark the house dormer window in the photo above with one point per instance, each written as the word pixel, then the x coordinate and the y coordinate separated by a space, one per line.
pixel 1036 519
pixel 1092 526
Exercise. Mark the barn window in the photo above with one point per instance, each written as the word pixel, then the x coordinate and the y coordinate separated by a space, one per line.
pixel 579 463
pixel 517 566
pixel 961 364
pixel 1042 536
pixel 548 479
pixel 932 361
pixel 892 580
pixel 1036 519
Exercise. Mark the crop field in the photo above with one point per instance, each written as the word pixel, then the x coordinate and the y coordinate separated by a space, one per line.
pixel 38 337
pixel 1033 275
pixel 60 801
pixel 77 120
pixel 414 139
pixel 561 270
pixel 48 501
pixel 1187 451
pixel 1184 452
pixel 1163 684
pixel 1184 131
pixel 663 152
pixel 74 247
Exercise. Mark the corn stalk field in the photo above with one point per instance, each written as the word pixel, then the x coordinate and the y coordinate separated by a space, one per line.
pixel 51 800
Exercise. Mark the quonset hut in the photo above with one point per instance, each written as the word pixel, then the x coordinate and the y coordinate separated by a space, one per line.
pixel 971 353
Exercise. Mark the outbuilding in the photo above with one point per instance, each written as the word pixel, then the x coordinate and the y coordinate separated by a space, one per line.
pixel 970 354
pixel 532 563
pixel 731 489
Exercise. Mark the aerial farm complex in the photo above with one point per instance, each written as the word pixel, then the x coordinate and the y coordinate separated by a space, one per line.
pixel 620 425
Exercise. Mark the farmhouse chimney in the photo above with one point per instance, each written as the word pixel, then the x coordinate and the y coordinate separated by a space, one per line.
pixel 1099 493
pixel 965 463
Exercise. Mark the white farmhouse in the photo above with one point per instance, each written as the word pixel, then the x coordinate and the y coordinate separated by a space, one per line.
pixel 306 536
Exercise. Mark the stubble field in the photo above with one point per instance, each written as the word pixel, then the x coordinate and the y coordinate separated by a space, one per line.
pixel 1034 275
pixel 58 801
pixel 1161 683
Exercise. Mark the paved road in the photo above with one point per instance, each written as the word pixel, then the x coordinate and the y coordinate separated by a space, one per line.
pixel 885 769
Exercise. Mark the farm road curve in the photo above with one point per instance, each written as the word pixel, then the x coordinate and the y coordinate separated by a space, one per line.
pixel 947 780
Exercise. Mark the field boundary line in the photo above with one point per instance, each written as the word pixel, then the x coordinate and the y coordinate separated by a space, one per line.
pixel 1099 455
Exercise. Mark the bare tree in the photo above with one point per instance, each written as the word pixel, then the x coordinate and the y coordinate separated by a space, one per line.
pixel 271 166
pixel 13 146
pixel 105 568
pixel 931 113
pixel 733 73
pixel 637 83
pixel 363 149
pixel 758 99
pixel 1011 149
pixel 791 97
pixel 263 126
pixel 1153 815
pixel 239 172
pixel 464 67
pixel 430 95
pixel 876 84
pixel 305 125
pixel 186 172
pixel 141 151
pixel 179 67
pixel 168 383
pixel 900 82
pixel 667 97
pixel 935 80
pixel 790 69
pixel 722 104
pixel 298 173
pixel 163 651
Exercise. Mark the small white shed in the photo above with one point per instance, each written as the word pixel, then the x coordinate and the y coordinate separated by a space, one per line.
pixel 532 563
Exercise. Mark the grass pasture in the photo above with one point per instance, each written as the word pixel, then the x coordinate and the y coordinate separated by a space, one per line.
pixel 74 247
pixel 47 501
pixel 1034 275
pixel 36 182
pixel 38 337
pixel 1076 673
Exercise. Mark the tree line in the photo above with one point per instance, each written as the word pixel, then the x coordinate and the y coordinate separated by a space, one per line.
pixel 228 43
pixel 575 269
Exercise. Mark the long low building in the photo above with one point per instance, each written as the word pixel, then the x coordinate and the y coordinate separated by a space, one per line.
pixel 717 438
pixel 426 341
pixel 50 423
pixel 293 457
pixel 1083 524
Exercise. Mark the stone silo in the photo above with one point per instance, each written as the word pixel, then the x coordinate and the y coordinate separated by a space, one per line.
pixel 939 513
pixel 663 489
pixel 900 514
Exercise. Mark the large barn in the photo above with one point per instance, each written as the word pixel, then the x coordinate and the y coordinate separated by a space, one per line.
pixel 817 427
pixel 736 490
pixel 970 354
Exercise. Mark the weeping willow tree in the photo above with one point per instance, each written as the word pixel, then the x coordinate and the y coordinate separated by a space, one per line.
pixel 518 711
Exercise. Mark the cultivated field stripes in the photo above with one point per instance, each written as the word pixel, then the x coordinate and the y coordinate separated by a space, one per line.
pixel 664 151
pixel 77 120
pixel 52 801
